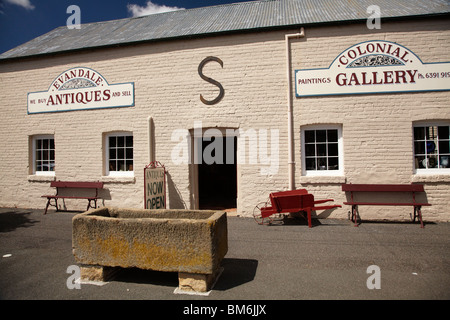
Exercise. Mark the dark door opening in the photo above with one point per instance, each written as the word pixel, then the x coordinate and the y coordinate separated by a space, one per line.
pixel 217 182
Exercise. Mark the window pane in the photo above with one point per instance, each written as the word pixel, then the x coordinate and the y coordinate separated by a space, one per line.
pixel 52 155
pixel 322 149
pixel 443 132
pixel 310 164
pixel 129 141
pixel 431 147
pixel 310 136
pixel 120 153
pixel 321 135
pixel 129 153
pixel 112 142
pixel 444 147
pixel 431 133
pixel 420 162
pixel 432 162
pixel 322 163
pixel 39 144
pixel 52 143
pixel 52 166
pixel 129 165
pixel 310 150
pixel 112 165
pixel 333 163
pixel 444 161
pixel 120 142
pixel 419 147
pixel 333 149
pixel 121 165
pixel 112 154
pixel 419 133
pixel 332 135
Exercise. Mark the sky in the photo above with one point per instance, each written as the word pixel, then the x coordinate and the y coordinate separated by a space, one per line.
pixel 24 20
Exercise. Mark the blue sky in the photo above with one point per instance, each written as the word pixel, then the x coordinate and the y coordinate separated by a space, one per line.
pixel 23 20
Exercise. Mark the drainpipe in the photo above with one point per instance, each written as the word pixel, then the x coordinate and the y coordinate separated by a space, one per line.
pixel 291 158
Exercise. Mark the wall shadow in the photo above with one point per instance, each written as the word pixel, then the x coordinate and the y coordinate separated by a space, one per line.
pixel 175 199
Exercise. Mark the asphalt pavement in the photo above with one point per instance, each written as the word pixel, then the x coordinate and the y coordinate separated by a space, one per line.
pixel 286 261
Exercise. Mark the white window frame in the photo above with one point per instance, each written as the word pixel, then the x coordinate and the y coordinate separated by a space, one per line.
pixel 33 156
pixel 108 172
pixel 428 171
pixel 328 173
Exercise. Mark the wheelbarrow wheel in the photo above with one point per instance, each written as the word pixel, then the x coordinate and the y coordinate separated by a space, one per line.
pixel 257 214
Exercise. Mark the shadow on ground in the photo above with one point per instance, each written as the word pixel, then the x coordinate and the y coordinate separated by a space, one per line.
pixel 236 272
pixel 11 220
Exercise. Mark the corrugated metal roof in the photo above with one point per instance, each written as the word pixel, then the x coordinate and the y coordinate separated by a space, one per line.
pixel 243 16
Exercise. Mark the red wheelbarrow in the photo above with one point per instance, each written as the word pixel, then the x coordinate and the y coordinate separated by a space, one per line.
pixel 286 202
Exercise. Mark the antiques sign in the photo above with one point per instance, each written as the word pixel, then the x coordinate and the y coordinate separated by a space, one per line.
pixel 373 67
pixel 155 186
pixel 78 89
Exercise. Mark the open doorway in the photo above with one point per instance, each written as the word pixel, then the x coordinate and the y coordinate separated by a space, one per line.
pixel 217 181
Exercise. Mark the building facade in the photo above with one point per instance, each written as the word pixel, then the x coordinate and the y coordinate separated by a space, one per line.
pixel 218 112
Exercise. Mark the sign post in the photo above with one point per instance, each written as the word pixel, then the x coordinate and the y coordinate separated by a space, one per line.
pixel 155 186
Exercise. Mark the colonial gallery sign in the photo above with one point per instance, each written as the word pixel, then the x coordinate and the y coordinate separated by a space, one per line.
pixel 373 67
pixel 81 88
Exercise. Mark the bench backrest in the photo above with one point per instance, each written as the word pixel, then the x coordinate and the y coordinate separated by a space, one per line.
pixel 73 184
pixel 383 187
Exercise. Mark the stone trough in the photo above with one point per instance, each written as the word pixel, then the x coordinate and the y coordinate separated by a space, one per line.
pixel 190 242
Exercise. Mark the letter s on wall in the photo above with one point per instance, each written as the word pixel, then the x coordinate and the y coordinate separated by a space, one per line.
pixel 212 81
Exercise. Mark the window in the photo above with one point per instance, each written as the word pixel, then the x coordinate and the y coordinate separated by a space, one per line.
pixel 44 155
pixel 322 151
pixel 119 157
pixel 432 148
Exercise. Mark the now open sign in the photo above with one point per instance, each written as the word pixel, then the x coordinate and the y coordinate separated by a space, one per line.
pixel 155 186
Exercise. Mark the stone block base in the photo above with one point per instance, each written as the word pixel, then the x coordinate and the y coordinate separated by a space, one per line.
pixel 97 273
pixel 187 282
pixel 196 282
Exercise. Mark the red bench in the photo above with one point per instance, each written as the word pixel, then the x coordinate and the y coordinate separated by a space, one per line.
pixel 412 188
pixel 59 185
pixel 287 202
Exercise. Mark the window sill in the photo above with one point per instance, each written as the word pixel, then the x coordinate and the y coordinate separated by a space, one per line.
pixel 423 177
pixel 322 179
pixel 117 179
pixel 41 178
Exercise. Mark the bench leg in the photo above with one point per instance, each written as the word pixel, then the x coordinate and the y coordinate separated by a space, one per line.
pixel 49 204
pixel 355 214
pixel 89 204
pixel 46 207
pixel 418 213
